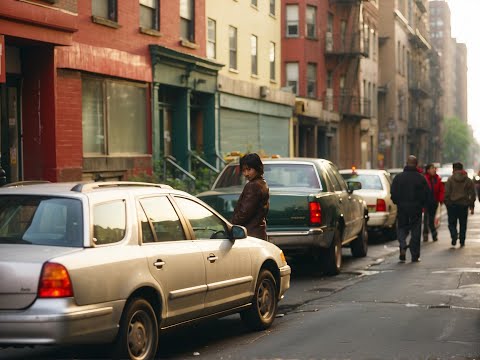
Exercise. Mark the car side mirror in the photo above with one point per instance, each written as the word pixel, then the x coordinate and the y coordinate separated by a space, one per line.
pixel 238 232
pixel 354 185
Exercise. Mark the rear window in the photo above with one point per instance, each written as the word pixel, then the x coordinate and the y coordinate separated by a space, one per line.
pixel 41 220
pixel 370 182
pixel 276 175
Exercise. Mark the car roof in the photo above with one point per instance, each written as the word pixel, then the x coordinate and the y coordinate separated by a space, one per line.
pixel 78 189
pixel 287 160
pixel 363 171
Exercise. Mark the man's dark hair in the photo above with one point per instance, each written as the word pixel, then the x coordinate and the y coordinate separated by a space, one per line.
pixel 252 161
pixel 429 166
pixel 457 166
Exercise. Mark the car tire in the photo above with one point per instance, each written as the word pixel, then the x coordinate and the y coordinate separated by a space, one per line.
pixel 263 310
pixel 138 334
pixel 331 258
pixel 359 246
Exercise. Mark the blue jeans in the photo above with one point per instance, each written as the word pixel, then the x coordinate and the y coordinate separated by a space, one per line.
pixel 406 223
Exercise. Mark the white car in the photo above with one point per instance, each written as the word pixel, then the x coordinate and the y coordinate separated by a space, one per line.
pixel 376 186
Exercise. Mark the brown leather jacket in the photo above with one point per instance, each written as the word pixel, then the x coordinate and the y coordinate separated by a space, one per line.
pixel 252 208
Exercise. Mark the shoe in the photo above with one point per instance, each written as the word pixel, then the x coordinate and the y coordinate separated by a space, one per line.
pixel 435 238
pixel 454 243
pixel 462 245
pixel 416 259
pixel 402 256
pixel 425 237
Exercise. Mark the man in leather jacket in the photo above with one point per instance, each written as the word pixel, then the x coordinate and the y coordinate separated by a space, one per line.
pixel 252 206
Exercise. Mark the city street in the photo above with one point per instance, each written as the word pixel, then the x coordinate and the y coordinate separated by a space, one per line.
pixel 377 308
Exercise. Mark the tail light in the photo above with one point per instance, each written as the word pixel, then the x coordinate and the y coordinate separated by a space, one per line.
pixel 315 213
pixel 381 205
pixel 54 282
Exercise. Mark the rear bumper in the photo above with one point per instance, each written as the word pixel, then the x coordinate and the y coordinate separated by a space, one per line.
pixel 377 220
pixel 285 272
pixel 299 240
pixel 60 321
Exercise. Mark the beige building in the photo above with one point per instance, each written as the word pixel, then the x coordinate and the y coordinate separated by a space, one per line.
pixel 254 113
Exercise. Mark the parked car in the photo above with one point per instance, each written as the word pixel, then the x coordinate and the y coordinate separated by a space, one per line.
pixel 394 171
pixel 117 262
pixel 444 173
pixel 376 185
pixel 312 210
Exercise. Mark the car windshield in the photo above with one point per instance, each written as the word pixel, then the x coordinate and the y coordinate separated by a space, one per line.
pixel 276 175
pixel 369 182
pixel 40 220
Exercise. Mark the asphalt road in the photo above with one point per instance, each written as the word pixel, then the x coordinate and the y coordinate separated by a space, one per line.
pixel 377 308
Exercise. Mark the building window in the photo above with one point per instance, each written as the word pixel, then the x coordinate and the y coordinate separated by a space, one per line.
pixel 311 21
pixel 272 61
pixel 106 9
pixel 330 79
pixel 212 39
pixel 232 43
pixel 114 117
pixel 272 7
pixel 253 54
pixel 312 80
pixel 149 14
pixel 186 20
pixel 292 21
pixel 292 77
pixel 254 2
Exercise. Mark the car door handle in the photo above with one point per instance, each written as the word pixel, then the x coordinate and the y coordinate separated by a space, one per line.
pixel 159 263
pixel 212 258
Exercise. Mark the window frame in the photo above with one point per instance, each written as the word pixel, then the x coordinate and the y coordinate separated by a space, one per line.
pixel 112 9
pixel 312 26
pixel 254 54
pixel 292 22
pixel 272 8
pixel 155 15
pixel 232 50
pixel 190 36
pixel 312 79
pixel 288 80
pixel 106 150
pixel 210 41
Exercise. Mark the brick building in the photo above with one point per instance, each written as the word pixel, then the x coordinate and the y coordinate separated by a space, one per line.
pixel 79 79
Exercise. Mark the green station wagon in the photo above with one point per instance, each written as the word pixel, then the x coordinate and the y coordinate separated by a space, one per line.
pixel 312 209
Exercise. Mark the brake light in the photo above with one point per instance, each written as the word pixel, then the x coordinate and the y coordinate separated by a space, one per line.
pixel 381 205
pixel 54 282
pixel 315 213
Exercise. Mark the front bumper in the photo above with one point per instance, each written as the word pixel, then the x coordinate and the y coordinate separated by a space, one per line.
pixel 285 272
pixel 299 240
pixel 60 321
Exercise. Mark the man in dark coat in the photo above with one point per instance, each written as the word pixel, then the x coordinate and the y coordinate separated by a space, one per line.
pixel 459 197
pixel 409 192
pixel 253 204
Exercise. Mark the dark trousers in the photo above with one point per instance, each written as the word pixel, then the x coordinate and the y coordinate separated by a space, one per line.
pixel 429 220
pixel 457 214
pixel 410 222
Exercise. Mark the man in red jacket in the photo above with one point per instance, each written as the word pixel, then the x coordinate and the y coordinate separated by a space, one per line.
pixel 436 196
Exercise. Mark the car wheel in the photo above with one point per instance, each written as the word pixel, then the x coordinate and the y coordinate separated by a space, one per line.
pixel 137 338
pixel 359 246
pixel 261 314
pixel 331 258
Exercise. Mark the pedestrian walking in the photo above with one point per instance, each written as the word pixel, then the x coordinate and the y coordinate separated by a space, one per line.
pixel 409 192
pixel 459 197
pixel 436 196
pixel 476 182
pixel 253 204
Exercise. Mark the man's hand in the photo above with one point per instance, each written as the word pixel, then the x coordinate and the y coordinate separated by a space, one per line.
pixel 472 210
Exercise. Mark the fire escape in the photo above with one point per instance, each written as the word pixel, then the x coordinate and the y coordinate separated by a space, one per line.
pixel 346 48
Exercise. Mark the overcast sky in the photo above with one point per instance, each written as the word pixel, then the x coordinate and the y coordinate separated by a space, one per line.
pixel 466 28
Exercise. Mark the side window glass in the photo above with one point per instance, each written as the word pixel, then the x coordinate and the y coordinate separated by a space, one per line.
pixel 331 175
pixel 341 182
pixel 205 224
pixel 109 222
pixel 162 217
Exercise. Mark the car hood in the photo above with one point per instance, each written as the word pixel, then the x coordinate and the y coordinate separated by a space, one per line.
pixel 20 268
